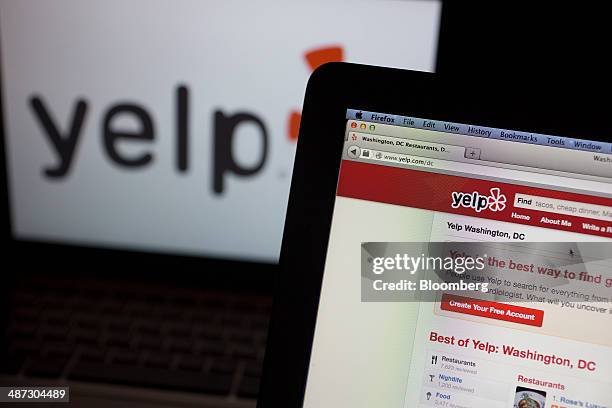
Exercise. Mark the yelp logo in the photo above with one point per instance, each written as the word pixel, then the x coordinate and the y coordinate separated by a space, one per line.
pixel 496 201
pixel 63 135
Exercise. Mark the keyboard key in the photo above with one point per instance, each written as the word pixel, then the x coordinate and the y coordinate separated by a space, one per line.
pixel 213 348
pixel 26 296
pixel 88 322
pixel 53 333
pixel 26 346
pixel 184 302
pixel 262 336
pixel 249 387
pixel 241 351
pixel 191 363
pixel 223 366
pixel 204 317
pixel 127 357
pixel 244 306
pixel 83 304
pixel 119 324
pixel 86 336
pixel 111 307
pixel 172 313
pixel 153 377
pixel 50 367
pixel 182 346
pixel 214 303
pixel 26 313
pixel 253 369
pixel 119 340
pixel 205 332
pixel 242 336
pixel 159 360
pixel 259 322
pixel 93 354
pixel 24 329
pixel 51 301
pixel 57 317
pixel 59 349
pixel 180 330
pixel 138 309
pixel 149 343
pixel 231 320
pixel 149 327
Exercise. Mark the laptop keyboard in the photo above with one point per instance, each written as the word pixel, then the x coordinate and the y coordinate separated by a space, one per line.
pixel 202 341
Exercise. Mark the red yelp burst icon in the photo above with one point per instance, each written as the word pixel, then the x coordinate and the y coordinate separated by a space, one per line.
pixel 497 201
pixel 314 58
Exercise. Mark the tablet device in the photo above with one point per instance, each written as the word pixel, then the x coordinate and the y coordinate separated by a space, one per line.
pixel 388 157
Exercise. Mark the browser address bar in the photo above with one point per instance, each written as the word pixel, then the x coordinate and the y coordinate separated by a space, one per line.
pixel 480 170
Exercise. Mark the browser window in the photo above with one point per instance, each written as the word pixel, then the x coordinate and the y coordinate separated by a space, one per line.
pixel 538 197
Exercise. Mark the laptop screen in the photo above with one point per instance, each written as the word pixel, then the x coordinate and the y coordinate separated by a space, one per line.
pixel 171 126
pixel 535 208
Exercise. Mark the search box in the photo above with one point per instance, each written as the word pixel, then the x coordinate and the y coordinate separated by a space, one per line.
pixel 553 205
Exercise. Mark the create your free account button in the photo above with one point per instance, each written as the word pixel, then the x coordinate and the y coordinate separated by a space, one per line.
pixel 492 310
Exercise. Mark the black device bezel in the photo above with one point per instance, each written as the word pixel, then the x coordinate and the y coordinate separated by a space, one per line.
pixel 331 90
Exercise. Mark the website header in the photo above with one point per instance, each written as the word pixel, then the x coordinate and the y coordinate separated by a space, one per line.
pixel 518 204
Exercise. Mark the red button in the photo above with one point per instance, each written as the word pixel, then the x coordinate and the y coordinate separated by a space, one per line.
pixel 492 310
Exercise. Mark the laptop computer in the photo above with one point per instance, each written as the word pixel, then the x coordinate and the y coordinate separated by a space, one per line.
pixel 147 154
pixel 391 160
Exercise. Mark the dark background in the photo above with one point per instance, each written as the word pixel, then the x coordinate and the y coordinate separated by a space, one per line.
pixel 553 52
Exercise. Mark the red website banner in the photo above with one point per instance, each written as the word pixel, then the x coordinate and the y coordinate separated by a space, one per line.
pixel 465 196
